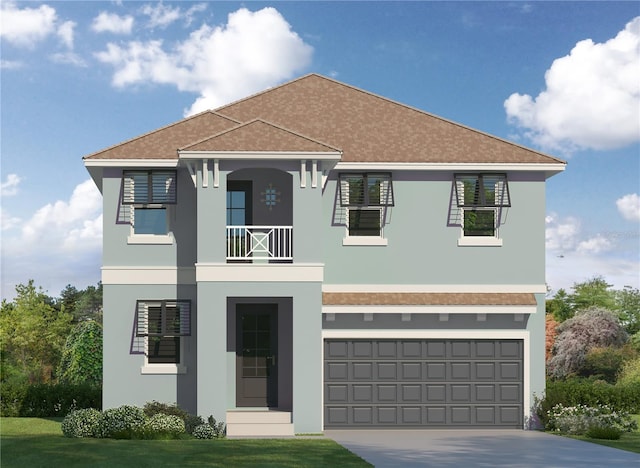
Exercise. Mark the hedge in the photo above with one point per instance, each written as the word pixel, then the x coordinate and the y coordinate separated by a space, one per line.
pixel 47 400
pixel 575 392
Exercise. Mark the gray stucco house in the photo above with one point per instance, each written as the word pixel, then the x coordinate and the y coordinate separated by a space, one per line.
pixel 316 256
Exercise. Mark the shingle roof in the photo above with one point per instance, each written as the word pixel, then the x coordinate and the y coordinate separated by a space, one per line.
pixel 366 127
pixel 164 142
pixel 257 136
pixel 443 299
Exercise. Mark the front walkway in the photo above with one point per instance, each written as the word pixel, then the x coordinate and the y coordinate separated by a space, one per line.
pixel 467 448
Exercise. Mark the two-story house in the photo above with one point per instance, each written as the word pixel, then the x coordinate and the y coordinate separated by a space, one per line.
pixel 316 256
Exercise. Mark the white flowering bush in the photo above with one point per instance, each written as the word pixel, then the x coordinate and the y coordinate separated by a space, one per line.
pixel 163 425
pixel 82 423
pixel 581 419
pixel 122 422
pixel 204 431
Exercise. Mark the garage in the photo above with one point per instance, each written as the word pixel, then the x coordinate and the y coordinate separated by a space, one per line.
pixel 423 383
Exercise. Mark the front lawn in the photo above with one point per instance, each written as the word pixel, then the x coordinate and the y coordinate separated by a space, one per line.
pixel 629 441
pixel 28 442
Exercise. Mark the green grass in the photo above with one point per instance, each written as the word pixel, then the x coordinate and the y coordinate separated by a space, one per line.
pixel 629 441
pixel 34 442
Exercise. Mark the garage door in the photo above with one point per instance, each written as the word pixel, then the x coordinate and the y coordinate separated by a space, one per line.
pixel 423 383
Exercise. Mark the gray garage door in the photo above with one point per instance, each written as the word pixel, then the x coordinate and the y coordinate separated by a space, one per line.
pixel 423 383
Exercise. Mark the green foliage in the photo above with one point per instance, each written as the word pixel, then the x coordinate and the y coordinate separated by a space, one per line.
pixel 603 363
pixel 163 426
pixel 191 422
pixel 590 328
pixel 81 359
pixel 33 334
pixel 581 419
pixel 595 292
pixel 155 407
pixel 630 373
pixel 608 433
pixel 575 392
pixel 635 342
pixel 83 304
pixel 122 422
pixel 82 423
pixel 628 306
pixel 204 431
pixel 219 428
pixel 559 306
pixel 47 400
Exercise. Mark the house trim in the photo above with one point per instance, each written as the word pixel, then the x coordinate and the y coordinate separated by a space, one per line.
pixel 428 309
pixel 550 169
pixel 262 155
pixel 131 163
pixel 148 275
pixel 436 288
pixel 523 335
pixel 293 273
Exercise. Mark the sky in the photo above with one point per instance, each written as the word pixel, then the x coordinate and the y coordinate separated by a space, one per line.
pixel 77 77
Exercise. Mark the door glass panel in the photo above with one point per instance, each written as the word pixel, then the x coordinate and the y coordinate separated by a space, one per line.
pixel 256 345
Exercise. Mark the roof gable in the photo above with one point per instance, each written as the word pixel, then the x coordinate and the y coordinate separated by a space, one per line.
pixel 370 128
pixel 164 142
pixel 259 136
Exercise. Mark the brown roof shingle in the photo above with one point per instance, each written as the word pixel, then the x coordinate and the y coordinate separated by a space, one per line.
pixel 257 136
pixel 416 299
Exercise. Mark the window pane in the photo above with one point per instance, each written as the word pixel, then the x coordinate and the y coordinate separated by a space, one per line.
pixel 479 223
pixel 150 221
pixel 163 350
pixel 364 223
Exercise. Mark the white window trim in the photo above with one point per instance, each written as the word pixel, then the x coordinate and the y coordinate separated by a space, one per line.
pixel 479 241
pixel 152 239
pixel 162 368
pixel 365 240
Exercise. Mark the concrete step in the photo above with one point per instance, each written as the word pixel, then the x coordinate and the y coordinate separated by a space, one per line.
pixel 259 424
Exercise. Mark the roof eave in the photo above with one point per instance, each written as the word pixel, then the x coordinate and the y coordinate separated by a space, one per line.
pixel 273 155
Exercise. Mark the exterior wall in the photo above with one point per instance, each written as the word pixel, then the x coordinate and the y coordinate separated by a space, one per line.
pixel 423 244
pixel 123 381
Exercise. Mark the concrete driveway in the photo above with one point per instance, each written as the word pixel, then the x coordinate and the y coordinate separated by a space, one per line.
pixel 465 448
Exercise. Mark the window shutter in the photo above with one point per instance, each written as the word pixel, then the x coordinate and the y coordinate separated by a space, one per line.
pixel 502 192
pixel 385 190
pixel 351 190
pixel 459 187
pixel 178 322
pixel 481 190
pixel 142 319
pixel 163 187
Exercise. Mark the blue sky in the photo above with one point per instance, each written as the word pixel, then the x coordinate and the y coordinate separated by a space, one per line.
pixel 561 77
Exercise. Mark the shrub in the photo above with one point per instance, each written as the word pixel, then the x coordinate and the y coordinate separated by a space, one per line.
pixel 47 400
pixel 123 422
pixel 590 328
pixel 82 423
pixel 191 422
pixel 204 431
pixel 609 433
pixel 603 363
pixel 630 373
pixel 580 419
pixel 155 407
pixel 219 428
pixel 162 426
pixel 81 360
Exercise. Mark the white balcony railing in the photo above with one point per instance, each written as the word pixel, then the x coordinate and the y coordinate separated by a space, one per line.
pixel 259 243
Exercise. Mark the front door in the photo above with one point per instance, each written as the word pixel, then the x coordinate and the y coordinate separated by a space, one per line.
pixel 256 355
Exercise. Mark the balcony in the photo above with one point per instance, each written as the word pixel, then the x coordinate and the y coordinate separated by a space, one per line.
pixel 260 244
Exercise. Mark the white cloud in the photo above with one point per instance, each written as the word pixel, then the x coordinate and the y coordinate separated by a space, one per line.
pixel 253 51
pixel 27 26
pixel 629 207
pixel 10 186
pixel 11 64
pixel 68 58
pixel 162 16
pixel 7 221
pixel 573 257
pixel 592 97
pixel 59 244
pixel 112 23
pixel 65 33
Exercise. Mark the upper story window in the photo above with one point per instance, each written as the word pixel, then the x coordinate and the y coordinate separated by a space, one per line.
pixel 366 198
pixel 163 324
pixel 481 197
pixel 149 193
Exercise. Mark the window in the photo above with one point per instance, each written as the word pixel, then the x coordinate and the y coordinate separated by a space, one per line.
pixel 366 198
pixel 149 193
pixel 163 324
pixel 481 197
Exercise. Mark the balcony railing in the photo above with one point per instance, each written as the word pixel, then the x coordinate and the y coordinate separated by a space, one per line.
pixel 260 243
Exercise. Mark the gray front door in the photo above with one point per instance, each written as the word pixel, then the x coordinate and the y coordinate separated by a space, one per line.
pixel 256 355
pixel 423 383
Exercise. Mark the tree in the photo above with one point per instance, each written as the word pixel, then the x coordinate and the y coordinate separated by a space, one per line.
pixel 560 306
pixel 33 334
pixel 595 292
pixel 594 327
pixel 551 329
pixel 81 360
pixel 628 305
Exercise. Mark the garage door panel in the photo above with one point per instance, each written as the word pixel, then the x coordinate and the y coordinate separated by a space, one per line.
pixel 423 383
